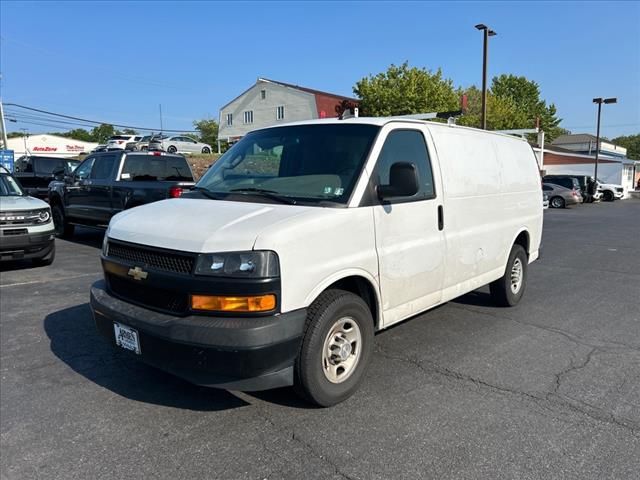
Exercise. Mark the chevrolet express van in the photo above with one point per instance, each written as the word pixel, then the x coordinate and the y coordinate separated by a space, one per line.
pixel 305 239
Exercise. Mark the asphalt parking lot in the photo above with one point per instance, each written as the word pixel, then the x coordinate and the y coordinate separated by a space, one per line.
pixel 548 389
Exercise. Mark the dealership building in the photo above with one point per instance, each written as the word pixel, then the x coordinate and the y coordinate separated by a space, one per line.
pixel 49 145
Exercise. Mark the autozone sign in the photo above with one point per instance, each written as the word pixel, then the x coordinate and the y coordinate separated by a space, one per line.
pixel 45 149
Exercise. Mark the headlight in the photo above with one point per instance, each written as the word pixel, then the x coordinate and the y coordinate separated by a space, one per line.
pixel 43 216
pixel 105 245
pixel 258 264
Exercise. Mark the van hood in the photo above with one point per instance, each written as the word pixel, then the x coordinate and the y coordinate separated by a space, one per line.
pixel 199 225
pixel 11 203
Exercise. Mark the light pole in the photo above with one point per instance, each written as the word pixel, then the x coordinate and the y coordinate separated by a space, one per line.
pixel 599 101
pixel 487 32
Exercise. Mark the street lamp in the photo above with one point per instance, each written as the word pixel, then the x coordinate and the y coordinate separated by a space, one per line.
pixel 487 32
pixel 599 101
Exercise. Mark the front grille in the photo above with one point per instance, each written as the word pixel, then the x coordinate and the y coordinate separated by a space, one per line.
pixel 618 189
pixel 15 231
pixel 157 259
pixel 156 298
pixel 26 217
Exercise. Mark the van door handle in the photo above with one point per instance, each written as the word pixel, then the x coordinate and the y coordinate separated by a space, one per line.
pixel 440 217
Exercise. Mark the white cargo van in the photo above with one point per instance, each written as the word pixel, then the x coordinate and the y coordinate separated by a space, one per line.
pixel 305 239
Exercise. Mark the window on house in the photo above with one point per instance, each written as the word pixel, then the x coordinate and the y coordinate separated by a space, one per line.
pixel 248 116
pixel 229 119
pixel 280 112
pixel 263 94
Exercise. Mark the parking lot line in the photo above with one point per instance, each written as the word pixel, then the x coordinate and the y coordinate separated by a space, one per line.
pixel 51 279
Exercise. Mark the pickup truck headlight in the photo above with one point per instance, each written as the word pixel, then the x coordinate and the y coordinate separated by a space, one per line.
pixel 252 264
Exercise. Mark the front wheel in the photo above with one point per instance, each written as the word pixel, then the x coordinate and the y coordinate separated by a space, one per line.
pixel 206 150
pixel 172 149
pixel 607 196
pixel 336 348
pixel 62 227
pixel 508 290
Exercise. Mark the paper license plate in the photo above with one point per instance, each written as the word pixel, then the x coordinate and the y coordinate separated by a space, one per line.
pixel 127 337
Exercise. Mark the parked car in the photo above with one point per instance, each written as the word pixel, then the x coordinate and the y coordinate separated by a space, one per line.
pixel 35 173
pixel 26 228
pixel 141 145
pixel 588 189
pixel 566 181
pixel 100 148
pixel 545 200
pixel 110 182
pixel 610 191
pixel 179 144
pixel 561 197
pixel 278 268
pixel 119 142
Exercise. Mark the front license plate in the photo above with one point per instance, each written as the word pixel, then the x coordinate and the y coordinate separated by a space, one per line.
pixel 127 337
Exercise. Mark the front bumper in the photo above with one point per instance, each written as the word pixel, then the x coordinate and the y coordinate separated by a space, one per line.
pixel 249 353
pixel 26 245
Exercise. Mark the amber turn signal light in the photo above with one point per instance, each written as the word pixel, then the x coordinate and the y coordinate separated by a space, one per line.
pixel 217 303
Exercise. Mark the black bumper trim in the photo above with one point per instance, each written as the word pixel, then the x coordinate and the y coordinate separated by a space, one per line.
pixel 234 353
pixel 26 246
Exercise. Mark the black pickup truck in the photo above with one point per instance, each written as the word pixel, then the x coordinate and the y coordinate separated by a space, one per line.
pixel 35 172
pixel 106 183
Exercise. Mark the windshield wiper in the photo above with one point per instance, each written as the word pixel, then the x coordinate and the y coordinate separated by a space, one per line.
pixel 265 193
pixel 206 192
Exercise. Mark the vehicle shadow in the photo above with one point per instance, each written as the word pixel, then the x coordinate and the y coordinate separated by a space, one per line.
pixel 91 237
pixel 476 298
pixel 75 340
pixel 11 265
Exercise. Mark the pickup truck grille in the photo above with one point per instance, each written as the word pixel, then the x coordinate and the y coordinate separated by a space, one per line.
pixel 151 297
pixel 158 259
pixel 619 189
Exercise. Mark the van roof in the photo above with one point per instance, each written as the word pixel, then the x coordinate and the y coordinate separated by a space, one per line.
pixel 381 121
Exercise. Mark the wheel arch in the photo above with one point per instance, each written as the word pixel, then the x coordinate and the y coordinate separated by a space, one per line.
pixel 358 282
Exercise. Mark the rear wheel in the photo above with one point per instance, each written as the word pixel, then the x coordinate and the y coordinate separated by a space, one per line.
pixel 336 348
pixel 62 227
pixel 172 149
pixel 607 196
pixel 508 290
pixel 206 150
pixel 557 202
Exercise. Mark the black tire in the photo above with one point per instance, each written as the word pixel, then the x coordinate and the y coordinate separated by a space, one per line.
pixel 144 149
pixel 330 307
pixel 607 196
pixel 557 202
pixel 172 149
pixel 501 292
pixel 62 228
pixel 206 150
pixel 47 259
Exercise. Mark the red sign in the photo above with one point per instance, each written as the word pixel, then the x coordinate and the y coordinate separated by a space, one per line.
pixel 44 149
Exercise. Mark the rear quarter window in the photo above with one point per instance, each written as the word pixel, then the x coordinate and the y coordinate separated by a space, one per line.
pixel 155 168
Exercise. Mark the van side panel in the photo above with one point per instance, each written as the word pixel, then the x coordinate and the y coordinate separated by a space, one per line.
pixel 491 193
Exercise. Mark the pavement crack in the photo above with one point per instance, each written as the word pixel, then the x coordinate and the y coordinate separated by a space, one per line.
pixel 552 398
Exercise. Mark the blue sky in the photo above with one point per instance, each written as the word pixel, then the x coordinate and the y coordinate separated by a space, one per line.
pixel 116 61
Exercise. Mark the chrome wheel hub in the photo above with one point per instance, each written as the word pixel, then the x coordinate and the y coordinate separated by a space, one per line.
pixel 341 350
pixel 517 272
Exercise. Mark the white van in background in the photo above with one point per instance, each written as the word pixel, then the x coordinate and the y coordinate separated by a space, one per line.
pixel 305 239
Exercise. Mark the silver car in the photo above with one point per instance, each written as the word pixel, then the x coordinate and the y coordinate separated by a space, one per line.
pixel 179 144
pixel 561 197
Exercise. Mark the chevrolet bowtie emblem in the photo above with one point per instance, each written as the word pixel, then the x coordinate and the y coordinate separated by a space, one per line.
pixel 137 273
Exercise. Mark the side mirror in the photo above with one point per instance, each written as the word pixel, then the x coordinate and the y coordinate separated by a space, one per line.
pixel 58 174
pixel 403 181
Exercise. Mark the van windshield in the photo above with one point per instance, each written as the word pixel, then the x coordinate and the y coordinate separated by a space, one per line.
pixel 303 163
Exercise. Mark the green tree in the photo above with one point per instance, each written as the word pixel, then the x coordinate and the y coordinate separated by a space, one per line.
pixel 77 134
pixel 102 133
pixel 14 135
pixel 502 113
pixel 631 143
pixel 208 130
pixel 525 95
pixel 403 90
pixel 128 131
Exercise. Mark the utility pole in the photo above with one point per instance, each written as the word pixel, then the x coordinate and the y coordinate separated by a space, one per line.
pixel 160 105
pixel 599 101
pixel 487 32
pixel 5 142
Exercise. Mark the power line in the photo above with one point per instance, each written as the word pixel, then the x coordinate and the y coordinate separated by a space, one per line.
pixel 95 122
